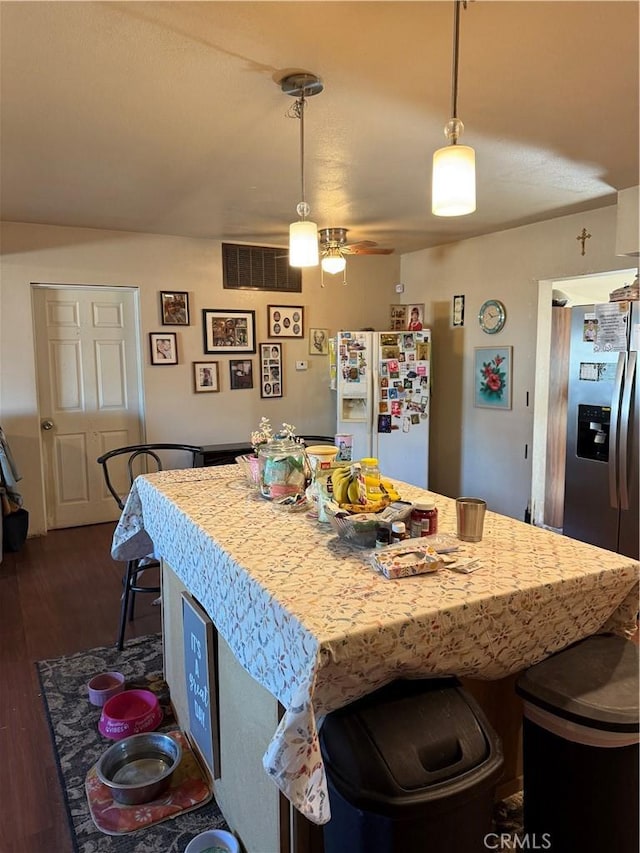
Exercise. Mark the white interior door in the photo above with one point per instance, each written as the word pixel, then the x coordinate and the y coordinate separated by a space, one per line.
pixel 89 399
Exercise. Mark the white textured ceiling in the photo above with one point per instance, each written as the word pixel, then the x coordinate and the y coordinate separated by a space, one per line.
pixel 166 117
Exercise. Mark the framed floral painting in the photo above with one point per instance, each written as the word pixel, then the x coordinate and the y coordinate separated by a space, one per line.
pixel 492 377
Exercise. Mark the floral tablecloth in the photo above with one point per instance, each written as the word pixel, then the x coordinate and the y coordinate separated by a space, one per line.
pixel 310 619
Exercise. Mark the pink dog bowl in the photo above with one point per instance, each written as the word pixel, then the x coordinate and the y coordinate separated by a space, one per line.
pixel 102 687
pixel 130 713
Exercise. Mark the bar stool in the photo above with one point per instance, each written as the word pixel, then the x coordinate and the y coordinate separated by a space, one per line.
pixel 148 458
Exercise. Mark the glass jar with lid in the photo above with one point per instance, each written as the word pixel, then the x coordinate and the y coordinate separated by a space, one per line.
pixel 282 468
pixel 424 519
pixel 370 475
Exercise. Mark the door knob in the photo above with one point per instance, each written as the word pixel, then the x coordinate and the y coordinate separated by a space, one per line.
pixel 47 425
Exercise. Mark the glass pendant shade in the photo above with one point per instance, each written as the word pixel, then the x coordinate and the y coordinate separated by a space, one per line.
pixel 333 263
pixel 454 181
pixel 303 244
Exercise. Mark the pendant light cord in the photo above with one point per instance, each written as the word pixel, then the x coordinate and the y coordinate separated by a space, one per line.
pixel 301 104
pixel 454 70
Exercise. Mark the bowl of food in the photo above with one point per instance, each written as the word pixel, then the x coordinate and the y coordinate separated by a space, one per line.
pixel 105 685
pixel 213 841
pixel 138 769
pixel 360 527
pixel 130 713
pixel 356 528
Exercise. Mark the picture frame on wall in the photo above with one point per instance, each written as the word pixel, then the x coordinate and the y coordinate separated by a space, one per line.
pixel 285 321
pixel 415 317
pixel 318 342
pixel 457 310
pixel 398 318
pixel 205 376
pixel 493 377
pixel 270 370
pixel 163 346
pixel 228 331
pixel 174 307
pixel 241 373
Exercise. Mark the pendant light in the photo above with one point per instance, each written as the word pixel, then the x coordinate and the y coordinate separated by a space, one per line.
pixel 453 183
pixel 303 234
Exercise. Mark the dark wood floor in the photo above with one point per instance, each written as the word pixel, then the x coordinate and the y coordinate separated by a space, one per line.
pixel 59 594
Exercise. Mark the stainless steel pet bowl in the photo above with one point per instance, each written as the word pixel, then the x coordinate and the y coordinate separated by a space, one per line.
pixel 137 769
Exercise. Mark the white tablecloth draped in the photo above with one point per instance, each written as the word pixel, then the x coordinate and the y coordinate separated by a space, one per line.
pixel 309 618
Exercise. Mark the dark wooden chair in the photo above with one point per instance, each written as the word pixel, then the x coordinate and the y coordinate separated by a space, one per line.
pixel 120 468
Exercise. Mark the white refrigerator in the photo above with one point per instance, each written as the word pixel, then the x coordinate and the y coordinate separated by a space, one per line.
pixel 382 380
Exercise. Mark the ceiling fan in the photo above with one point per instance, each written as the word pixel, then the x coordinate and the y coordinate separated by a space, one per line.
pixel 334 246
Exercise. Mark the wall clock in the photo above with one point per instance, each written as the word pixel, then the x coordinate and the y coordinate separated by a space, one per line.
pixel 492 316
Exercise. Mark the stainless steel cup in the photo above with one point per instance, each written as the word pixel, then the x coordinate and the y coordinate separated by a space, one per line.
pixel 470 517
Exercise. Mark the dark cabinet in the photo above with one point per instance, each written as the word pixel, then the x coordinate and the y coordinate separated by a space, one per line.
pixel 220 454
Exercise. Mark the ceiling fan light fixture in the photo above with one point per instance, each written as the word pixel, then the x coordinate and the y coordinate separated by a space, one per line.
pixel 453 182
pixel 333 262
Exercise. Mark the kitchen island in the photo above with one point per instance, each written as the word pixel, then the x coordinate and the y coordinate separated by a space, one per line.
pixel 305 625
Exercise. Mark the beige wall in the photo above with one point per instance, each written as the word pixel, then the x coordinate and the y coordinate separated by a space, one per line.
pixel 481 451
pixel 476 451
pixel 51 254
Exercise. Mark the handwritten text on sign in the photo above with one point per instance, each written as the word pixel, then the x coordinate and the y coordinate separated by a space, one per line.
pixel 198 656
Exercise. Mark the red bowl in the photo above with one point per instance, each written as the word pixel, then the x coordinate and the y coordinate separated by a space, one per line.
pixel 130 713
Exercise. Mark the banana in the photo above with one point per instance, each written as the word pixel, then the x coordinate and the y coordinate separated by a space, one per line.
pixel 369 506
pixel 340 490
pixel 353 491
pixel 389 489
pixel 340 481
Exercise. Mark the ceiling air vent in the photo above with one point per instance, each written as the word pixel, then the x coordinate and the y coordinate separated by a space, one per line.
pixel 258 268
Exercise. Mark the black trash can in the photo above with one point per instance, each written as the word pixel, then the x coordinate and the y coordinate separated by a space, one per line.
pixel 410 768
pixel 580 748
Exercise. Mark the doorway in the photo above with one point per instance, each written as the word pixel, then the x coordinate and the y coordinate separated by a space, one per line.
pixel 552 360
pixel 89 393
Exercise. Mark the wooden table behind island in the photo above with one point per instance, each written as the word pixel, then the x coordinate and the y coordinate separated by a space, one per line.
pixel 315 627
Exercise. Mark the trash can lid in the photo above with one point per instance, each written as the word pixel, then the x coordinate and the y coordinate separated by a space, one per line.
pixel 406 740
pixel 594 683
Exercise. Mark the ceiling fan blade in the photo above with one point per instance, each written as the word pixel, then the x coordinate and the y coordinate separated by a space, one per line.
pixel 357 244
pixel 365 250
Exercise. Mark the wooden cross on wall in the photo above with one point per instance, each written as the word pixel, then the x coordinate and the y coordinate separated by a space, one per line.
pixel 582 238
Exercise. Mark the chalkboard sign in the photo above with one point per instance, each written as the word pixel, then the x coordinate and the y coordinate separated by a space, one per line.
pixel 199 669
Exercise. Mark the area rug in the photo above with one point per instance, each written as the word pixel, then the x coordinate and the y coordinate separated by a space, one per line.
pixel 78 744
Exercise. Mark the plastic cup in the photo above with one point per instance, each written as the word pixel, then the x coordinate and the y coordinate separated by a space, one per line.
pixel 470 518
pixel 344 443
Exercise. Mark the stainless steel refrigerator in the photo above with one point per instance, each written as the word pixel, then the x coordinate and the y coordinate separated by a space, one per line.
pixel 601 475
